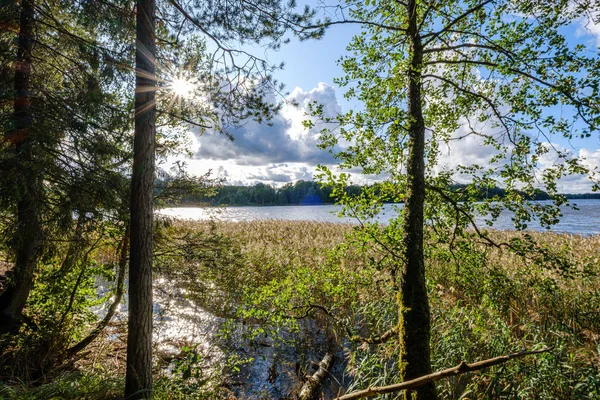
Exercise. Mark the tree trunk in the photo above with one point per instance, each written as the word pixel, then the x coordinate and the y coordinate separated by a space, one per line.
pixel 414 317
pixel 28 233
pixel 138 381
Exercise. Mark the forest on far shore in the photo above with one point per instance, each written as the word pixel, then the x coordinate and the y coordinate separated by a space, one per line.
pixel 312 193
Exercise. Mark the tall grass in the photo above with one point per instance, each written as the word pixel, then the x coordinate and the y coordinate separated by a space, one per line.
pixel 484 302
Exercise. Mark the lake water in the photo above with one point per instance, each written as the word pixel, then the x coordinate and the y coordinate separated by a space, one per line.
pixel 584 221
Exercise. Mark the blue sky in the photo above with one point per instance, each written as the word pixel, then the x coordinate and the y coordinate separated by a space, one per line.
pixel 285 152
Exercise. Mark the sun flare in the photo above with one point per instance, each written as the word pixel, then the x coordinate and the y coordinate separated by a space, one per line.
pixel 182 87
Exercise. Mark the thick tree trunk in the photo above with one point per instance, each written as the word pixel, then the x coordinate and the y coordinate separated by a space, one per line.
pixel 138 381
pixel 28 233
pixel 415 324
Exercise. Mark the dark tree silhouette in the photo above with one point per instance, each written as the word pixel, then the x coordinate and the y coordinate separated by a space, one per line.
pixel 138 381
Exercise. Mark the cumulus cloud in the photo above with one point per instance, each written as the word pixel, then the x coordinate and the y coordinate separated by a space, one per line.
pixel 283 173
pixel 471 150
pixel 589 24
pixel 465 148
pixel 591 159
pixel 284 140
pixel 582 183
pixel 286 152
pixel 576 183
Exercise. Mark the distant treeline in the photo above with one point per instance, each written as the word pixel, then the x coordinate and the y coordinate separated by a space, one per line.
pixel 311 193
pixel 299 193
pixel 538 195
pixel 583 195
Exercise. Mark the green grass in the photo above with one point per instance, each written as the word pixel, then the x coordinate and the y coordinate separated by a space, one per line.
pixel 74 385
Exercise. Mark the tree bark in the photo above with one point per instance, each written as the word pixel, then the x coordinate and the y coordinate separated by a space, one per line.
pixel 28 233
pixel 138 381
pixel 414 317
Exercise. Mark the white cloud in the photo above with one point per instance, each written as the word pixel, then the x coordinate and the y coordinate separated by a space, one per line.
pixel 467 148
pixel 283 151
pixel 283 140
pixel 576 183
pixel 286 151
pixel 589 24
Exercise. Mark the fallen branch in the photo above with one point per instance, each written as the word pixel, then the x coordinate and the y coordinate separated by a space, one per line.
pixel 436 376
pixel 71 352
pixel 387 335
pixel 313 382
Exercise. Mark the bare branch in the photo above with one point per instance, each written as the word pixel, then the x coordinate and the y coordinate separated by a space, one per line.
pixel 436 376
pixel 217 42
pixel 435 35
pixel 387 335
pixel 352 21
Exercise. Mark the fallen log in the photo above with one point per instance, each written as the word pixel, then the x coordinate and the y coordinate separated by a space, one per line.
pixel 436 376
pixel 307 391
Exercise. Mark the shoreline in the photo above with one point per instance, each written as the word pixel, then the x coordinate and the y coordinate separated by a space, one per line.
pixel 574 222
pixel 492 231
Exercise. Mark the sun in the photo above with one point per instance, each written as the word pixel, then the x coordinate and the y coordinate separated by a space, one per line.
pixel 183 88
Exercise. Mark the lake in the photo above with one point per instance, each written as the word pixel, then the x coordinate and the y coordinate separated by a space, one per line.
pixel 585 221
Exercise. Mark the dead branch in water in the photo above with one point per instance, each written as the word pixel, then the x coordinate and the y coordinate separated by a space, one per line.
pixel 313 382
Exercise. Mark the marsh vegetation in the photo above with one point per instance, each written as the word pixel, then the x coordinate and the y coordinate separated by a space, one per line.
pixel 296 288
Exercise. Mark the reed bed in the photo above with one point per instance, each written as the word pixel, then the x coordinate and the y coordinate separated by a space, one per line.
pixel 485 301
pixel 484 304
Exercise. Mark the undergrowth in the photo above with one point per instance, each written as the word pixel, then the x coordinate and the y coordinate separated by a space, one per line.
pixel 484 301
